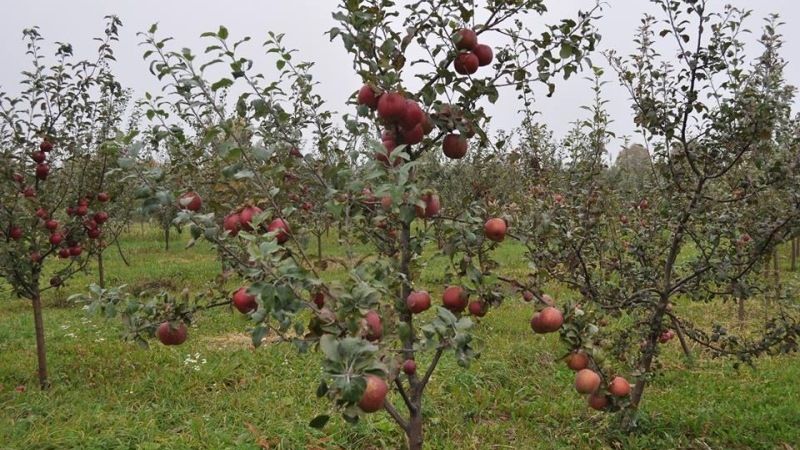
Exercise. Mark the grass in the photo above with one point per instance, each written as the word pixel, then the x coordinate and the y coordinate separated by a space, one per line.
pixel 217 392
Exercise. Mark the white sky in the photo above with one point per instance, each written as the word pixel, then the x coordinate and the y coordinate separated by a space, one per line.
pixel 305 21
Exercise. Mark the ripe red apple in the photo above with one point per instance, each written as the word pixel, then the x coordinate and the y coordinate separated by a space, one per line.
pixel 619 387
pixel 374 326
pixel 243 301
pixel 465 39
pixel 232 224
pixel 190 200
pixel 644 204
pixel 319 299
pixel 454 146
pixel 46 146
pixel 455 298
pixel 38 156
pixel 391 106
pixel 75 250
pixel 547 320
pixel 367 96
pixel 418 301
pixel 103 197
pixel 90 224
pixel 578 360
pixel 295 152
pixel 409 367
pixel 56 239
pixel 598 401
pixel 466 63
pixel 427 124
pixel 484 54
pixel 63 253
pixel 93 233
pixel 42 170
pixel 587 381
pixel 374 394
pixel 495 229
pixel 246 216
pixel 527 296
pixel 169 335
pixel 412 136
pixel 51 225
pixel 100 217
pixel 478 308
pixel 282 228
pixel 666 336
pixel 36 257
pixel 432 206
pixel 41 213
pixel 15 233
pixel 83 202
pixel 82 210
pixel 29 192
pixel 412 114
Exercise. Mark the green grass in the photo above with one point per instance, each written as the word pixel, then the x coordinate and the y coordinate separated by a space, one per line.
pixel 108 394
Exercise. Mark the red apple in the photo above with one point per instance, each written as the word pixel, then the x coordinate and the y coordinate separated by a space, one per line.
pixel 466 63
pixel 432 206
pixel 478 308
pixel 191 201
pixel 374 394
pixel 282 228
pixel 56 239
pixel 547 320
pixel 36 257
pixel 42 170
pixel 412 136
pixel 243 301
pixel 246 216
pixel 41 213
pixel 82 210
pixel 232 224
pixel 94 233
pixel 587 381
pixel 409 367
pixel 412 114
pixel 374 326
pixel 495 229
pixel 90 224
pixel 527 296
pixel 15 233
pixel 169 335
pixel 418 301
pixel 578 360
pixel 465 39
pixel 29 192
pixel 63 253
pixel 38 156
pixel 75 250
pixel 598 401
pixel 103 197
pixel 100 217
pixel 454 146
pixel 46 146
pixel 484 54
pixel 51 225
pixel 455 298
pixel 391 106
pixel 619 387
pixel 319 299
pixel 666 336
pixel 367 96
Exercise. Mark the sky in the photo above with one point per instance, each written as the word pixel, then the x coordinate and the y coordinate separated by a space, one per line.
pixel 305 21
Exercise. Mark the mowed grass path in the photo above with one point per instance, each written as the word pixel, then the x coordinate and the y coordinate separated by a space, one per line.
pixel 217 392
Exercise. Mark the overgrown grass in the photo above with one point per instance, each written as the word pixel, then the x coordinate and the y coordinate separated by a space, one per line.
pixel 217 392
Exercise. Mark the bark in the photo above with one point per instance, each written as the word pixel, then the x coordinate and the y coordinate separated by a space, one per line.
pixel 414 431
pixel 166 237
pixel 319 247
pixel 101 274
pixel 41 352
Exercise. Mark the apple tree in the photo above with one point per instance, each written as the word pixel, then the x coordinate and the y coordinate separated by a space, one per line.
pixel 720 195
pixel 53 201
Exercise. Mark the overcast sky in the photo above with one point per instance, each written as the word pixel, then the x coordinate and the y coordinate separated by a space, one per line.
pixel 305 21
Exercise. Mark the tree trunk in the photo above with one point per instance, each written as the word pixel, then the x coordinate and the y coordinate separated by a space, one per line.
pixel 166 237
pixel 414 431
pixel 41 352
pixel 101 274
pixel 319 247
pixel 740 313
pixel 793 258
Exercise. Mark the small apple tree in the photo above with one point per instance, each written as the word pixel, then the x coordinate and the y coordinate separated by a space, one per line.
pixel 51 134
pixel 372 327
pixel 721 194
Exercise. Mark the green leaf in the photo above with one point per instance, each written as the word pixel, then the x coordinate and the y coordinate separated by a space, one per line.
pixel 319 421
